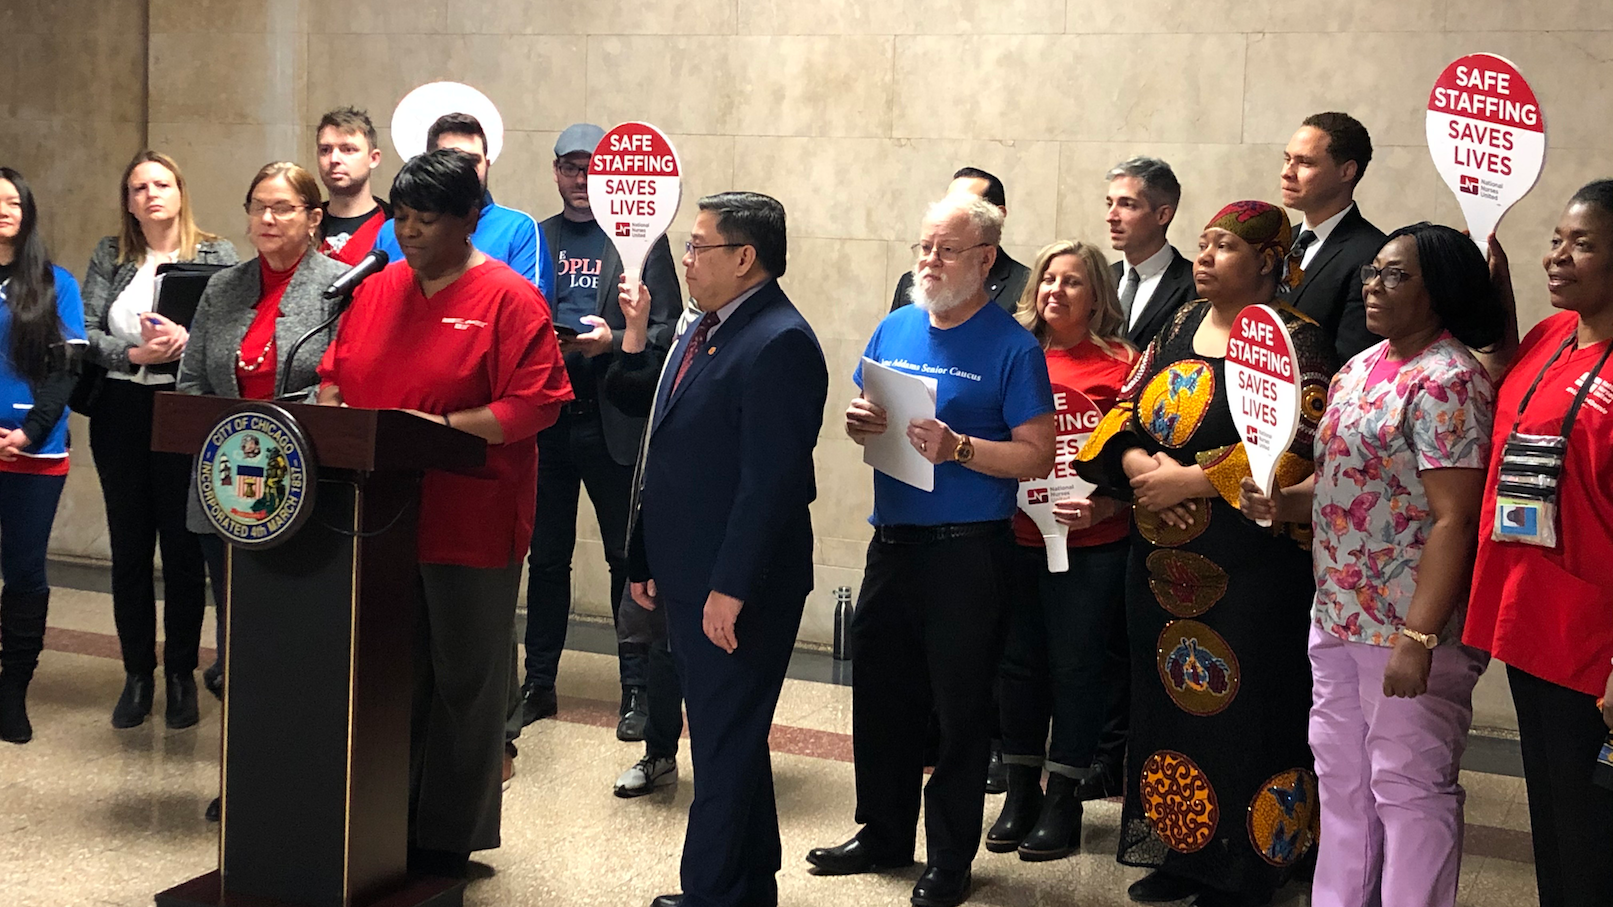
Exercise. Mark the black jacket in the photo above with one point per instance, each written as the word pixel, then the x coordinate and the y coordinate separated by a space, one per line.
pixel 1330 293
pixel 1175 290
pixel 623 429
pixel 1004 283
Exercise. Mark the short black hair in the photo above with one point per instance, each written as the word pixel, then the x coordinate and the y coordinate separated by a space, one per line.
pixel 1347 139
pixel 456 124
pixel 439 182
pixel 1598 193
pixel 995 193
pixel 755 220
pixel 347 121
pixel 1458 283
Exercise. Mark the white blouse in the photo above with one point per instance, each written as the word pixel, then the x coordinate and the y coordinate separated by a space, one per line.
pixel 123 318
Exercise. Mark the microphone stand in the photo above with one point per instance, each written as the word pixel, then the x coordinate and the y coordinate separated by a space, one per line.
pixel 343 301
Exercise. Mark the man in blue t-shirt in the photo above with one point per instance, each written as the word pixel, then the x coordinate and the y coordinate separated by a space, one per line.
pixel 506 234
pixel 931 617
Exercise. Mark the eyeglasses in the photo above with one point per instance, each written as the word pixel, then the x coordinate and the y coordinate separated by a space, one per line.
pixel 570 170
pixel 690 248
pixel 1392 277
pixel 280 210
pixel 946 253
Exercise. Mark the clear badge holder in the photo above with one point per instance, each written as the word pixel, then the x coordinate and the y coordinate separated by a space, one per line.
pixel 1526 494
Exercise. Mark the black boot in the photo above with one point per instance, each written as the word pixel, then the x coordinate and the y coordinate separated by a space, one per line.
pixel 996 770
pixel 1020 809
pixel 135 703
pixel 182 711
pixel 22 636
pixel 635 715
pixel 1058 829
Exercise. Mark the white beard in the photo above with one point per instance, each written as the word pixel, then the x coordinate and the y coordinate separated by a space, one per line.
pixel 945 300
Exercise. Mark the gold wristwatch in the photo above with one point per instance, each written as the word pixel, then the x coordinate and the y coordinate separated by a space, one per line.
pixel 1426 640
pixel 965 450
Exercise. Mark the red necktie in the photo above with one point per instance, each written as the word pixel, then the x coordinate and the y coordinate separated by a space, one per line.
pixel 701 331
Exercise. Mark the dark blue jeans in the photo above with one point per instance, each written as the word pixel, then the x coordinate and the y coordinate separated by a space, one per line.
pixel 27 510
pixel 1053 666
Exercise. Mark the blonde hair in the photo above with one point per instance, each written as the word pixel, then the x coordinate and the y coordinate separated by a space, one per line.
pixel 1108 325
pixel 131 239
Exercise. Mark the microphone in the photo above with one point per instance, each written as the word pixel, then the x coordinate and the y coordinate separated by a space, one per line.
pixel 347 283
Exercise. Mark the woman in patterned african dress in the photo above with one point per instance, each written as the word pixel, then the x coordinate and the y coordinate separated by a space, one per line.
pixel 1220 799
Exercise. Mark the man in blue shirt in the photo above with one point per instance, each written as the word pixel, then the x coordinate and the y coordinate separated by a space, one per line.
pixel 931 617
pixel 506 234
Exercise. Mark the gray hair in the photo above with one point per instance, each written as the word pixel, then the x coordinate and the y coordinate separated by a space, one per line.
pixel 1160 186
pixel 986 218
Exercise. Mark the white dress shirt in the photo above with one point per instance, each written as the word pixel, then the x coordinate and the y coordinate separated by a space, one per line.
pixel 1149 274
pixel 1322 230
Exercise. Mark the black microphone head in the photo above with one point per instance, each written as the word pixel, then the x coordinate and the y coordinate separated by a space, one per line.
pixel 369 264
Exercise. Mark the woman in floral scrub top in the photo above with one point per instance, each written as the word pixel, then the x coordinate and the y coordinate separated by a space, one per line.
pixel 1400 458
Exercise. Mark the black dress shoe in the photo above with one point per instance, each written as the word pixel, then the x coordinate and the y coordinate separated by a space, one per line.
pixel 182 711
pixel 213 809
pixel 537 703
pixel 135 703
pixel 939 887
pixel 446 864
pixel 850 858
pixel 668 900
pixel 1211 897
pixel 996 770
pixel 635 715
pixel 1161 887
pixel 213 680
pixel 1104 782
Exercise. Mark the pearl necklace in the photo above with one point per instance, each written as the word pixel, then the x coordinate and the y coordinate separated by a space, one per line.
pixel 240 361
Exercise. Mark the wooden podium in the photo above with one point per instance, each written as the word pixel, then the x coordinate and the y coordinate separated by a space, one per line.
pixel 320 637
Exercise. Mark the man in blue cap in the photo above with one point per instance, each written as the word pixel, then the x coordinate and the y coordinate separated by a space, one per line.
pixel 593 443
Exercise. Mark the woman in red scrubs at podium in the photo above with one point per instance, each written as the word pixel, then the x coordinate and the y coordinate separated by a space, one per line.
pixel 457 337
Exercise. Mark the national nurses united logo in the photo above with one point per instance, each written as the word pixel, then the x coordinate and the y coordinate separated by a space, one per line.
pixel 256 476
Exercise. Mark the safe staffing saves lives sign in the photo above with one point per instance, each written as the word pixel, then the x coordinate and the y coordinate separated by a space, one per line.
pixel 1487 136
pixel 1263 389
pixel 635 182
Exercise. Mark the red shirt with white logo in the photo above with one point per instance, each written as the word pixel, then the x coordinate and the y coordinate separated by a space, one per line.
pixel 483 340
pixel 1096 372
pixel 1550 611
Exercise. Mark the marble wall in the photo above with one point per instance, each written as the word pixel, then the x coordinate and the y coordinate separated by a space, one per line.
pixel 855 113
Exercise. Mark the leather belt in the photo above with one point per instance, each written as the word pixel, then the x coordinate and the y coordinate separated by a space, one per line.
pixel 943 532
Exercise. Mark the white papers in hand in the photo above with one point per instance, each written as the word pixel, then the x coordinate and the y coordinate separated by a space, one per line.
pixel 904 398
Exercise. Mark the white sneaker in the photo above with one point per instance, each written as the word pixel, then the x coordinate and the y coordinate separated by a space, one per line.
pixel 646 775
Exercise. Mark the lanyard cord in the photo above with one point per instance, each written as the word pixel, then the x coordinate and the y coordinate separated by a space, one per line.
pixel 1579 398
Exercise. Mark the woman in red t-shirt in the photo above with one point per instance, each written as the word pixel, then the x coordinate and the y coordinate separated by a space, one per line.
pixel 457 337
pixel 1058 631
pixel 1547 610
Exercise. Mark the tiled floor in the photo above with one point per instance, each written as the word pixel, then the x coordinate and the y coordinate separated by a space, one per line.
pixel 90 815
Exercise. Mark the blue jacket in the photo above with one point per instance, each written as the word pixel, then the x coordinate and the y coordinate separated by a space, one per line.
pixel 16 396
pixel 727 476
pixel 506 234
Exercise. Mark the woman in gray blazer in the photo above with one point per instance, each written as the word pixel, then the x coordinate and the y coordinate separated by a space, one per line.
pixel 131 357
pixel 249 317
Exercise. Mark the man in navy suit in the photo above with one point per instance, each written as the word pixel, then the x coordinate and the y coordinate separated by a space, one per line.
pixel 722 536
pixel 1322 165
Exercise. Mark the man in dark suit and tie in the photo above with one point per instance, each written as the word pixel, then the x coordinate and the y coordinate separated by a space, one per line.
pixel 1006 279
pixel 1154 279
pixel 722 536
pixel 1322 165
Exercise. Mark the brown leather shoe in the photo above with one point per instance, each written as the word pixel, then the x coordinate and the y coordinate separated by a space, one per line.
pixel 509 765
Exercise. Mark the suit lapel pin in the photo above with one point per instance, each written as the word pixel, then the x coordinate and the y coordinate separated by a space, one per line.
pixel 712 351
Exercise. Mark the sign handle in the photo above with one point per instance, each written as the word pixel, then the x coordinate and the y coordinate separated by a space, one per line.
pixel 1058 552
pixel 1266 483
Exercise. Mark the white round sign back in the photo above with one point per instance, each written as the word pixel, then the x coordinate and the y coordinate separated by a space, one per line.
pixel 1487 137
pixel 425 105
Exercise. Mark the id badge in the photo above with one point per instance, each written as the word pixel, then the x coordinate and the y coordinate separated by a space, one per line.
pixel 1526 521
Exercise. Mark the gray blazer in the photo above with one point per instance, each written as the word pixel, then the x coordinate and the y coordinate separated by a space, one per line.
pixel 226 310
pixel 106 279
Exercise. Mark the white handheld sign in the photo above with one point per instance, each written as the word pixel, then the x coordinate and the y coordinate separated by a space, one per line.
pixel 635 182
pixel 1487 136
pixel 1076 417
pixel 1263 390
pixel 433 100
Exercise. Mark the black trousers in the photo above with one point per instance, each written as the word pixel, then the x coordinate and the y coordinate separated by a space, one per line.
pixel 1560 732
pixel 1111 756
pixel 927 634
pixel 572 454
pixel 662 689
pixel 731 851
pixel 145 495
pixel 1057 654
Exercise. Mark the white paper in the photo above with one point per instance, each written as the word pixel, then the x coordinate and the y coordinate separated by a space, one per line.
pixel 904 398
